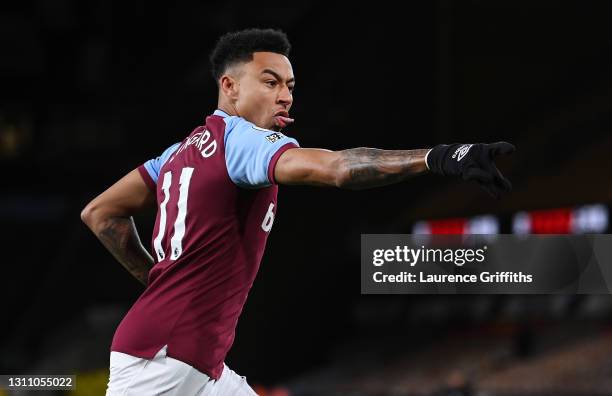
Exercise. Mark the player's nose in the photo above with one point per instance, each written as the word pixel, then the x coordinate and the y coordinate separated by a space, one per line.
pixel 285 96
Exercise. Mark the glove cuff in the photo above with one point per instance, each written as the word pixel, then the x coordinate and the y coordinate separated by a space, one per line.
pixel 435 158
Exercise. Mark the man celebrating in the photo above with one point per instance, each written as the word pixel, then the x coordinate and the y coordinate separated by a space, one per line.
pixel 216 194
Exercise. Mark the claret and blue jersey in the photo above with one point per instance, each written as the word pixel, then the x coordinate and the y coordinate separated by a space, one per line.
pixel 216 198
pixel 248 152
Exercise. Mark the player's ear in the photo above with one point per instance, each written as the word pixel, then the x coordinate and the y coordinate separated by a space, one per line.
pixel 229 86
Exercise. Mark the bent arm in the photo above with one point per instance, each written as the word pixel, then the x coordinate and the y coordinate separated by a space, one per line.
pixel 357 168
pixel 109 217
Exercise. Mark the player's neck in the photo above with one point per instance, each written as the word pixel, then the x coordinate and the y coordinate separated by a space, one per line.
pixel 229 110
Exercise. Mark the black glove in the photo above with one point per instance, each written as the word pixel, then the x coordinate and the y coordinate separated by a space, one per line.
pixel 472 162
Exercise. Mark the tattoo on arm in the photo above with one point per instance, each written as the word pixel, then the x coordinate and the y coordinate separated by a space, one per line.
pixel 119 236
pixel 368 167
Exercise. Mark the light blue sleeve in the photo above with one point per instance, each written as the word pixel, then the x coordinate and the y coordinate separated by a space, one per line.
pixel 154 165
pixel 249 151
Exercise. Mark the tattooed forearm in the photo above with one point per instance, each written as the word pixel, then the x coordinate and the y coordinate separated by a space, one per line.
pixel 367 167
pixel 119 236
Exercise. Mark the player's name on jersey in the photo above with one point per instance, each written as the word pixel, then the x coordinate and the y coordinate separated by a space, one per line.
pixel 484 277
pixel 201 141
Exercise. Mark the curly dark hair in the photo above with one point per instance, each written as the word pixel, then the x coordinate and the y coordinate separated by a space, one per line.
pixel 236 47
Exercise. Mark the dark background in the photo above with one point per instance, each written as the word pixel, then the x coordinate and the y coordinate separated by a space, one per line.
pixel 90 90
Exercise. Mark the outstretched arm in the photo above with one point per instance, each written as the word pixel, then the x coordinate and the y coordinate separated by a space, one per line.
pixel 356 168
pixel 361 168
pixel 109 217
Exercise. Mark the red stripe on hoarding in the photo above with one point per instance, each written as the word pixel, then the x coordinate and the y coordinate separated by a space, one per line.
pixel 555 221
pixel 449 226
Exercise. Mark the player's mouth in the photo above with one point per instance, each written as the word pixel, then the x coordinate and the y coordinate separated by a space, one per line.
pixel 282 119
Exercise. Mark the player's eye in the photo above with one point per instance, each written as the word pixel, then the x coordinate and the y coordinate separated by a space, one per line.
pixel 291 88
pixel 271 83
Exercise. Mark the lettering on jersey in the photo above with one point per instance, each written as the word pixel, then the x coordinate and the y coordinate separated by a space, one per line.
pixel 202 140
pixel 273 137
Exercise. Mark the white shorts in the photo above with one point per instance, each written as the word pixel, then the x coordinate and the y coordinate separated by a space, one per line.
pixel 163 375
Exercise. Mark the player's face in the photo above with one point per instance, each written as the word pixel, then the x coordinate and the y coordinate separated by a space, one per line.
pixel 265 92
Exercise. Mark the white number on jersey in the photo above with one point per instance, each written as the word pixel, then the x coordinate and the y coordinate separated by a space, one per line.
pixel 266 225
pixel 176 247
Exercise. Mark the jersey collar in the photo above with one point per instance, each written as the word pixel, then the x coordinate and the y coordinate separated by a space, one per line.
pixel 221 113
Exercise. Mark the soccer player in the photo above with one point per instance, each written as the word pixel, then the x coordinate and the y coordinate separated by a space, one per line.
pixel 216 194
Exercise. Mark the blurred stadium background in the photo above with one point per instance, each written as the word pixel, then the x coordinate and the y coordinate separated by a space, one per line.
pixel 89 90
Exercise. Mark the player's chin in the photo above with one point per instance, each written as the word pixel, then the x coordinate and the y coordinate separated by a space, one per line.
pixel 274 126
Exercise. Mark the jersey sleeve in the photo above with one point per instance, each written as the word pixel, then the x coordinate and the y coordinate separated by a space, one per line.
pixel 150 169
pixel 251 154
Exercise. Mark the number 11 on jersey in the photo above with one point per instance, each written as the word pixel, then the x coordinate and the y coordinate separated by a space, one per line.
pixel 176 247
